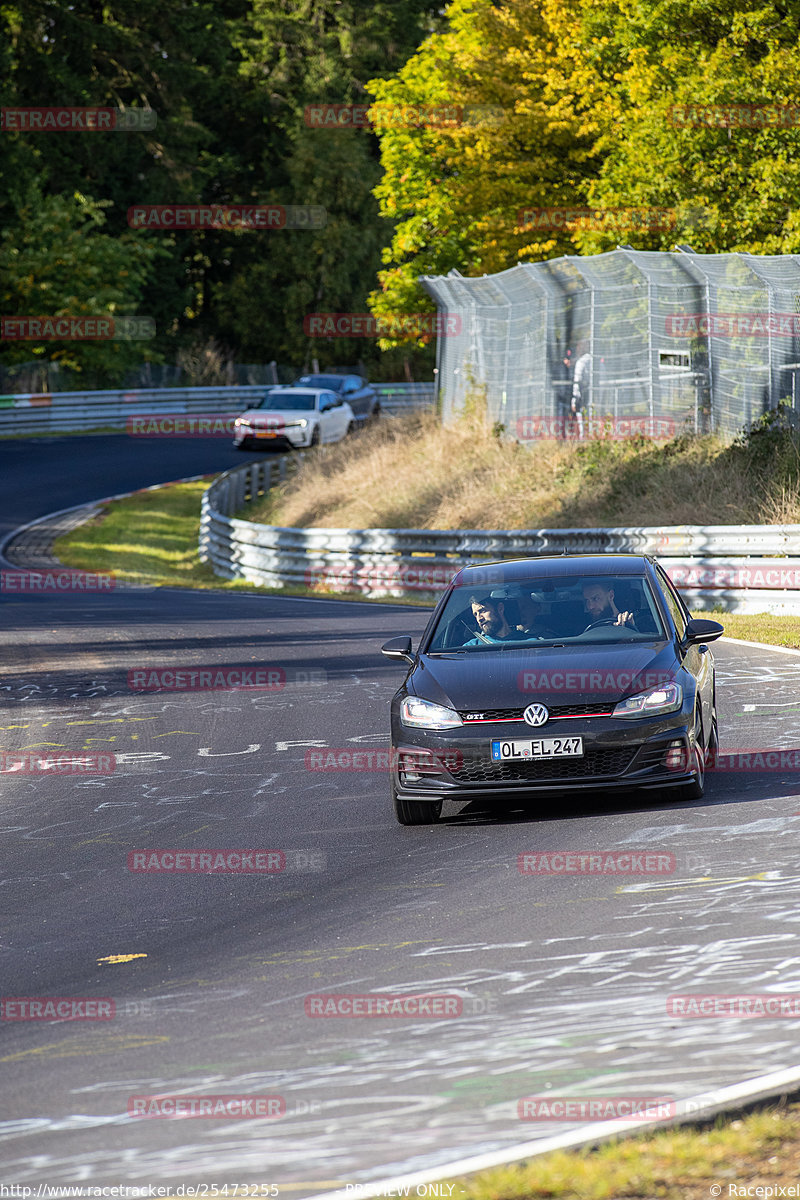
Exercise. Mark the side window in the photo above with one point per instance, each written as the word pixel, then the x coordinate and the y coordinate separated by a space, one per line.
pixel 674 602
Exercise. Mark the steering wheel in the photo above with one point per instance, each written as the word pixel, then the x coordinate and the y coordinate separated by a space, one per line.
pixel 604 621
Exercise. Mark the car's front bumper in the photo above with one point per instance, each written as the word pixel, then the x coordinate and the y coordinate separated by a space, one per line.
pixel 619 754
pixel 257 439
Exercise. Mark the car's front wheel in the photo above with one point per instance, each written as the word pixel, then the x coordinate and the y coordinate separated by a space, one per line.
pixel 316 437
pixel 416 812
pixel 695 789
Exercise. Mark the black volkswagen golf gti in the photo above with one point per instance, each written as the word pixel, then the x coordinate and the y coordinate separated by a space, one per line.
pixel 577 672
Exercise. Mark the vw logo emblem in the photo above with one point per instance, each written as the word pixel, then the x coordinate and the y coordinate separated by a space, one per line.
pixel 535 714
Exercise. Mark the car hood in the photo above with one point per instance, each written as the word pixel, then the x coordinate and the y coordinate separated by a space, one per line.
pixel 566 675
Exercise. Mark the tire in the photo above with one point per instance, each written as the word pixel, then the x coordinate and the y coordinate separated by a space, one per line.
pixel 351 428
pixel 712 749
pixel 416 812
pixel 316 437
pixel 695 789
pixel 376 412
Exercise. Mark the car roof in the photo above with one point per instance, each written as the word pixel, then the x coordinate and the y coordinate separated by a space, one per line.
pixel 300 391
pixel 554 566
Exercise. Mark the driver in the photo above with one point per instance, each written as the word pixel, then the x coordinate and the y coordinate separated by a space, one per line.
pixel 598 600
pixel 490 615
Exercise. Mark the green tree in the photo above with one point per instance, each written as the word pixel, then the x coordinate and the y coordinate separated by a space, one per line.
pixel 57 261
pixel 730 188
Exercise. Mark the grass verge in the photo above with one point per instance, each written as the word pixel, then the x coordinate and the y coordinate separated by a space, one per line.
pixel 152 538
pixel 761 1148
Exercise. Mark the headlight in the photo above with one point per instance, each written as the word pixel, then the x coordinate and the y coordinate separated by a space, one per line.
pixel 302 423
pixel 425 715
pixel 665 699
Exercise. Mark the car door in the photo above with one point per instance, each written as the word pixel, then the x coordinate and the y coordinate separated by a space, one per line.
pixel 333 417
pixel 355 394
pixel 699 660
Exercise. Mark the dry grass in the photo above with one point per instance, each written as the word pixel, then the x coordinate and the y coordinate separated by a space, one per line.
pixel 414 473
pixel 761 1149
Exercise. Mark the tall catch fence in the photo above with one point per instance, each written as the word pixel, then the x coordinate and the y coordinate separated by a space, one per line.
pixel 659 341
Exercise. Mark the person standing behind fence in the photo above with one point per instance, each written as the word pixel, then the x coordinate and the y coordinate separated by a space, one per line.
pixel 581 382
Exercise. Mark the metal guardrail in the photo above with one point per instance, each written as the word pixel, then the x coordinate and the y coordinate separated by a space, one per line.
pixel 759 573
pixel 65 412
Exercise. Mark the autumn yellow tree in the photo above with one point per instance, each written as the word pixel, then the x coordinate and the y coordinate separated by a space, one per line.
pixel 523 137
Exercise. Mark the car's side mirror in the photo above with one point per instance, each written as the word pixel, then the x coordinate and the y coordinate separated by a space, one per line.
pixel 699 629
pixel 398 648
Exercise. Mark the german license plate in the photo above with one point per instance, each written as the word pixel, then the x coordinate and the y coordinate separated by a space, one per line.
pixel 517 748
pixel 266 433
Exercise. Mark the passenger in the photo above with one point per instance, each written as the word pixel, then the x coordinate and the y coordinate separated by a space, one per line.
pixel 489 613
pixel 530 608
pixel 598 600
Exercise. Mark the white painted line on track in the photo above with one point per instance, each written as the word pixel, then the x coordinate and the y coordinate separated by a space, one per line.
pixel 760 645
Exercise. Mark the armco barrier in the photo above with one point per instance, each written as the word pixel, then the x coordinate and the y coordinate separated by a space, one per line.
pixel 65 412
pixel 745 568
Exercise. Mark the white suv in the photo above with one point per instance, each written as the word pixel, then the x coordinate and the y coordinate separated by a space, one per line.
pixel 293 419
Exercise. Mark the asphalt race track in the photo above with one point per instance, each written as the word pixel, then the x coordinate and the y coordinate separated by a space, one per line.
pixel 562 981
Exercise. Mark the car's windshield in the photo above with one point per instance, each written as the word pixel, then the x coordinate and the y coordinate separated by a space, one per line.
pixel 535 611
pixel 289 402
pixel 334 382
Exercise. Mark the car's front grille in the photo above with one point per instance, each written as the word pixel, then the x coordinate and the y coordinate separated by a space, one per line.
pixel 596 763
pixel 475 717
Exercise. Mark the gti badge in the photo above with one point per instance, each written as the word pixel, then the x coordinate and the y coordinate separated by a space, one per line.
pixel 535 714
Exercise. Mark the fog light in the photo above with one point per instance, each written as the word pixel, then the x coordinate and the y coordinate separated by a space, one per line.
pixel 676 757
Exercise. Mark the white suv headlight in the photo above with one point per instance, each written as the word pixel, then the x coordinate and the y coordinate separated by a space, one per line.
pixel 665 699
pixel 424 714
